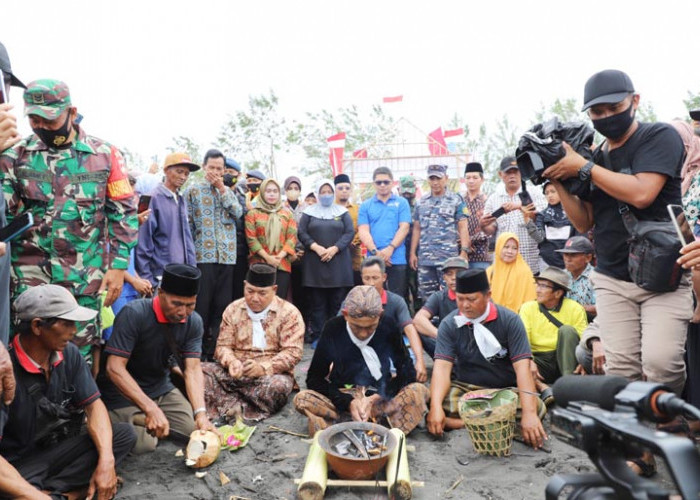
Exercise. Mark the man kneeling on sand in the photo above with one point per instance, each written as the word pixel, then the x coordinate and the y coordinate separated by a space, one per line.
pixel 44 451
pixel 488 348
pixel 350 374
pixel 260 342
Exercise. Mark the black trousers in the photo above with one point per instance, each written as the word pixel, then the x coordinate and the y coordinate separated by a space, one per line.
pixel 325 303
pixel 215 294
pixel 397 279
pixel 239 272
pixel 283 279
pixel 299 295
pixel 69 465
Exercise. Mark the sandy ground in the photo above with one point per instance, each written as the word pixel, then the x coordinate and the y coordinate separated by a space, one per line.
pixel 266 468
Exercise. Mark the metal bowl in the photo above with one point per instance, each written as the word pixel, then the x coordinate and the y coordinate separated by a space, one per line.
pixel 347 467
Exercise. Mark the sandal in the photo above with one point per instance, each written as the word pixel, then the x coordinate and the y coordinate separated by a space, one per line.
pixel 645 469
pixel 547 397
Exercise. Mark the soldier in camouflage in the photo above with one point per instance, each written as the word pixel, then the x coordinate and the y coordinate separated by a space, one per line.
pixel 440 231
pixel 84 209
pixel 407 189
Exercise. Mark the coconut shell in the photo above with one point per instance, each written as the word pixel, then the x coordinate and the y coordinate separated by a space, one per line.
pixel 202 450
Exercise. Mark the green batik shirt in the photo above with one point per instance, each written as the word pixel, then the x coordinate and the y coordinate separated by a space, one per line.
pixel 84 211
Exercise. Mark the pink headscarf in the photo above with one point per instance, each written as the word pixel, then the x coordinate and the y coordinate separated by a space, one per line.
pixel 691 143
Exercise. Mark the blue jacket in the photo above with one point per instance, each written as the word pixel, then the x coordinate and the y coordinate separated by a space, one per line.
pixel 165 237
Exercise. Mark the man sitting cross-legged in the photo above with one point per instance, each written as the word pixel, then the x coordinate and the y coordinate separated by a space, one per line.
pixel 350 374
pixel 260 342
pixel 487 346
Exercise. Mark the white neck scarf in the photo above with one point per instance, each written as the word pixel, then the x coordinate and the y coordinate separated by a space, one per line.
pixel 485 340
pixel 258 330
pixel 368 354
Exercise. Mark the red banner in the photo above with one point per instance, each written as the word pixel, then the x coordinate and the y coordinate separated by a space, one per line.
pixel 398 98
pixel 337 145
pixel 454 132
pixel 360 153
pixel 436 143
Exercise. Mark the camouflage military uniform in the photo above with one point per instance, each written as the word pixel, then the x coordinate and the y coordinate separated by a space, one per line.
pixel 438 217
pixel 84 217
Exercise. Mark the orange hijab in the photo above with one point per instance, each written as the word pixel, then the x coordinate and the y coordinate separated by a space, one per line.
pixel 511 284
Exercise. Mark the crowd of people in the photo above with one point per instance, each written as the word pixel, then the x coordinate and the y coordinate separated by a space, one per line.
pixel 217 282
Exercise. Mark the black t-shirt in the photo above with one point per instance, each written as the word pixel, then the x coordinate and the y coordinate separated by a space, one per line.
pixel 654 147
pixel 70 385
pixel 440 304
pixel 458 346
pixel 140 335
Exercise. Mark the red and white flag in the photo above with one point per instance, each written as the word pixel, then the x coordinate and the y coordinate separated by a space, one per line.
pixel 397 98
pixel 453 133
pixel 436 143
pixel 360 153
pixel 336 143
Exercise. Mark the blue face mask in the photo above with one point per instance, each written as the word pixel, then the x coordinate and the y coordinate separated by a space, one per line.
pixel 326 200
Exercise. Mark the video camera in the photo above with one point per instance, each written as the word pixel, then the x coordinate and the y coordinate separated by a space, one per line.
pixel 541 147
pixel 601 415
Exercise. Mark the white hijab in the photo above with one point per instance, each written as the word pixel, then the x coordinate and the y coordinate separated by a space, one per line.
pixel 319 211
pixel 485 340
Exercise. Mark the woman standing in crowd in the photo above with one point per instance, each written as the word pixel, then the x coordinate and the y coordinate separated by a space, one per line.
pixel 271 233
pixel 512 282
pixel 326 230
pixel 549 228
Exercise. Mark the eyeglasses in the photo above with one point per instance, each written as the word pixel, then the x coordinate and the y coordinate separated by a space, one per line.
pixel 543 285
pixel 382 183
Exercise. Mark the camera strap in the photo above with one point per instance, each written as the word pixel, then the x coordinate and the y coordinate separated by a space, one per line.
pixel 549 316
pixel 628 218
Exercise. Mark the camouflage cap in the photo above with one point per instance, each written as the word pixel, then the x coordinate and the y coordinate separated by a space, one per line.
pixel 46 98
pixel 174 159
pixel 407 184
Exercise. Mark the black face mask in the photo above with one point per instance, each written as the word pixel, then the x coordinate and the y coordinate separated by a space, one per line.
pixel 56 138
pixel 230 180
pixel 613 127
pixel 697 131
pixel 254 188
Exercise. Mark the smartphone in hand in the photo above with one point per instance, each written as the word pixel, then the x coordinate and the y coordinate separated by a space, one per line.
pixel 525 198
pixel 18 225
pixel 498 212
pixel 685 232
pixel 144 203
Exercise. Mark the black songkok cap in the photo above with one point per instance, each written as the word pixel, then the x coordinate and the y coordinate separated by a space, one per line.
pixel 181 279
pixel 472 281
pixel 261 275
pixel 473 166
pixel 340 178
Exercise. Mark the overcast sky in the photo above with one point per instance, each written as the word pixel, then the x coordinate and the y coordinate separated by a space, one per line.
pixel 144 71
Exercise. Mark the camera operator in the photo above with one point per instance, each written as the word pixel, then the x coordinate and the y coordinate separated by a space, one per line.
pixel 643 332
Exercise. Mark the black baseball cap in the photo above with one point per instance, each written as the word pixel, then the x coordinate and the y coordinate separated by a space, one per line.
pixel 606 87
pixel 694 114
pixel 6 67
pixel 508 163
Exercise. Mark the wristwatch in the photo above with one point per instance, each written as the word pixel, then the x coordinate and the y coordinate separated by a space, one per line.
pixel 584 173
pixel 372 252
pixel 464 249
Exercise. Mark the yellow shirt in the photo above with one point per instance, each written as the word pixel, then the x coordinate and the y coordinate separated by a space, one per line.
pixel 541 332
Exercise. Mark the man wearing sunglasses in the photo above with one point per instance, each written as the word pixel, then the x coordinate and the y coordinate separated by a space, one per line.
pixel 383 224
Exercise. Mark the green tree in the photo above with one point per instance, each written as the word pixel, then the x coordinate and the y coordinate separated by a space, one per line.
pixel 489 148
pixel 183 144
pixel 693 100
pixel 257 135
pixel 567 110
pixel 646 112
pixel 371 130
